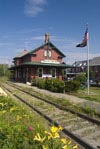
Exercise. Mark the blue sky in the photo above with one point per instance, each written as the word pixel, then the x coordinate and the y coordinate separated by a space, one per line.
pixel 23 24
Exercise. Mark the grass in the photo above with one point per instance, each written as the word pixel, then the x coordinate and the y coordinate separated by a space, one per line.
pixel 21 128
pixel 93 96
pixel 16 121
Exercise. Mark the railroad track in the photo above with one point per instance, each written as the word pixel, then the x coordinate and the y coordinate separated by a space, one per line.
pixel 84 130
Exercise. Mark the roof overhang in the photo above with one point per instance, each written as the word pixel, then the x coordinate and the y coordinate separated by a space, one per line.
pixel 61 65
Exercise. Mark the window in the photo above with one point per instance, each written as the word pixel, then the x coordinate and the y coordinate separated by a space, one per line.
pixel 40 72
pixel 47 53
pixel 53 72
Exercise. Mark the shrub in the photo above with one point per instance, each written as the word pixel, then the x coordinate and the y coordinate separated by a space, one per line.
pixel 81 77
pixel 55 85
pixel 48 84
pixel 58 86
pixel 71 86
pixel 41 83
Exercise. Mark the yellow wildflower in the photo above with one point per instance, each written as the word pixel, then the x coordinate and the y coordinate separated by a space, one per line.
pixel 44 147
pixel 54 129
pixel 39 138
pixel 69 142
pixel 56 135
pixel 2 104
pixel 60 128
pixel 26 116
pixel 63 140
pixel 12 109
pixel 75 147
pixel 18 117
pixel 46 132
pixel 65 147
pixel 49 135
pixel 4 111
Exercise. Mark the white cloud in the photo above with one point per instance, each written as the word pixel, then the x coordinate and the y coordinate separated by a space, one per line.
pixel 33 7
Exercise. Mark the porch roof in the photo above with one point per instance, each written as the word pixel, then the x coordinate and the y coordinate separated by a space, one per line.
pixel 62 65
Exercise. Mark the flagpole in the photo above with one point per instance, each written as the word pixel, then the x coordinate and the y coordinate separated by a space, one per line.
pixel 88 86
pixel 84 43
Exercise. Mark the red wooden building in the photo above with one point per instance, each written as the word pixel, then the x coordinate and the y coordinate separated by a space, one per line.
pixel 42 62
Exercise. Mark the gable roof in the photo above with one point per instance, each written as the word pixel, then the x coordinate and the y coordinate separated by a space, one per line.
pixel 92 62
pixel 80 63
pixel 95 61
pixel 50 45
pixel 21 54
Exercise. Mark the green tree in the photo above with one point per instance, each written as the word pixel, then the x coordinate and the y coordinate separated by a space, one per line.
pixel 1 70
pixel 72 86
pixel 81 77
pixel 4 70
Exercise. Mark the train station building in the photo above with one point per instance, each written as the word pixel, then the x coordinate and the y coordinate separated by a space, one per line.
pixel 46 61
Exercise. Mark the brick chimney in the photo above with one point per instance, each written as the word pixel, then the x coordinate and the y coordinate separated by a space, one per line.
pixel 47 36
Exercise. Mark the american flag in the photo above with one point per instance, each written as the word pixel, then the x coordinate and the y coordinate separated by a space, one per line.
pixel 84 42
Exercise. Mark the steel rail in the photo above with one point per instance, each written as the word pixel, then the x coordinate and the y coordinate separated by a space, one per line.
pixel 97 122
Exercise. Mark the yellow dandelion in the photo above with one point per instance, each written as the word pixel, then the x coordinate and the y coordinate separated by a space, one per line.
pixel 75 147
